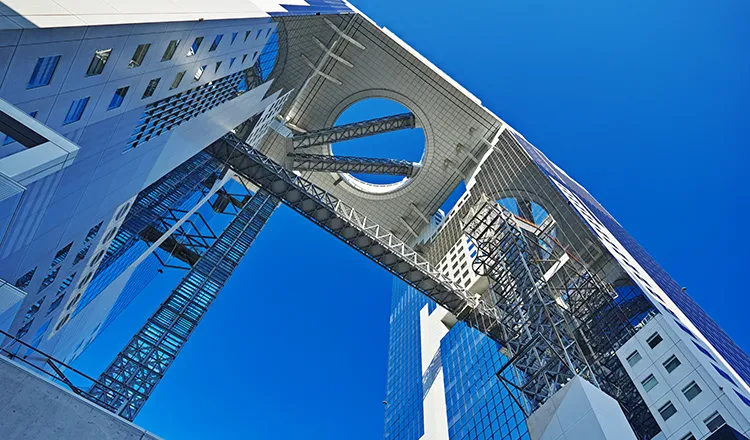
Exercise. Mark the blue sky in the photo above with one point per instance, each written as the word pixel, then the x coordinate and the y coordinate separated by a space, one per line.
pixel 644 103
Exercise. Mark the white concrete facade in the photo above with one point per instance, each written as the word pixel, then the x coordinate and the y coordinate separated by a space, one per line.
pixel 669 368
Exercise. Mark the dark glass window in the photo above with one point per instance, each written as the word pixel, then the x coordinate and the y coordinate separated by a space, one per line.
pixel 654 340
pixel 714 421
pixel 667 411
pixel 234 37
pixel 171 49
pixel 151 88
pixel 139 55
pixel 177 80
pixel 691 390
pixel 649 382
pixel 671 364
pixel 218 64
pixel 96 67
pixel 118 97
pixel 43 71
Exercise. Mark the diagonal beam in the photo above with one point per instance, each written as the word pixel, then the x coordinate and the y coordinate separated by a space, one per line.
pixel 350 164
pixel 356 230
pixel 355 130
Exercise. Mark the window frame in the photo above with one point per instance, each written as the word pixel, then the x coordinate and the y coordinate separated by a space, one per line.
pixel 216 42
pixel 149 92
pixel 692 385
pixel 177 80
pixel 118 98
pixel 97 64
pixel 48 73
pixel 652 338
pixel 167 56
pixel 670 360
pixel 140 52
pixel 665 407
pixel 648 379
pixel 73 111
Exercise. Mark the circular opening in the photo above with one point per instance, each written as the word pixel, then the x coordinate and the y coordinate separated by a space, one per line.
pixel 407 144
pixel 529 211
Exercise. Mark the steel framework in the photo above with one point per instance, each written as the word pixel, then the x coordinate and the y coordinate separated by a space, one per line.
pixel 353 131
pixel 130 379
pixel 356 230
pixel 350 164
pixel 560 319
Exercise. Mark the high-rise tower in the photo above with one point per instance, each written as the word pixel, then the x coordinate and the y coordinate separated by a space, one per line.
pixel 123 128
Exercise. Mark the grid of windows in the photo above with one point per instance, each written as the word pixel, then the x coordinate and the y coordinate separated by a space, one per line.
pixel 172 111
pixel 404 388
pixel 43 71
pixel 478 404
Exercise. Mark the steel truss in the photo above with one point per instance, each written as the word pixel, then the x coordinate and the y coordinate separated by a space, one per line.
pixel 350 164
pixel 131 378
pixel 353 131
pixel 356 230
pixel 561 319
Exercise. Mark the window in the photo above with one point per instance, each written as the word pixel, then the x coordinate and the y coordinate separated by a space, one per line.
pixel 85 280
pixel 714 421
pixel 654 340
pixel 62 323
pixel 216 42
pixel 97 63
pixel 177 80
pixel 688 436
pixel 268 32
pixel 667 411
pixel 725 375
pixel 231 61
pixel 76 111
pixel 633 358
pixel 234 37
pixel 247 34
pixel 255 55
pixel 25 279
pixel 139 55
pixel 199 72
pixel 649 383
pixel 171 49
pixel 61 254
pixel 151 88
pixel 118 97
pixel 218 64
pixel 691 390
pixel 43 71
pixel 194 47
pixel 260 31
pixel 244 57
pixel 671 364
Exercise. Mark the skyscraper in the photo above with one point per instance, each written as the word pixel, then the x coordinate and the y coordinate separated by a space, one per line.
pixel 124 130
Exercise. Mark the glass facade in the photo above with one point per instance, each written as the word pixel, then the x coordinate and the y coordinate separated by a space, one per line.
pixel 478 404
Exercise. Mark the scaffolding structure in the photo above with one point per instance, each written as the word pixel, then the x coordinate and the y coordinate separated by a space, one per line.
pixel 131 378
pixel 559 319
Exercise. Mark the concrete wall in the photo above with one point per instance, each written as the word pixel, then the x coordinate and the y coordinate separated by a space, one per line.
pixel 33 408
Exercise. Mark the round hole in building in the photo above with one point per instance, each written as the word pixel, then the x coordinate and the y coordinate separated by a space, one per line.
pixel 407 146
